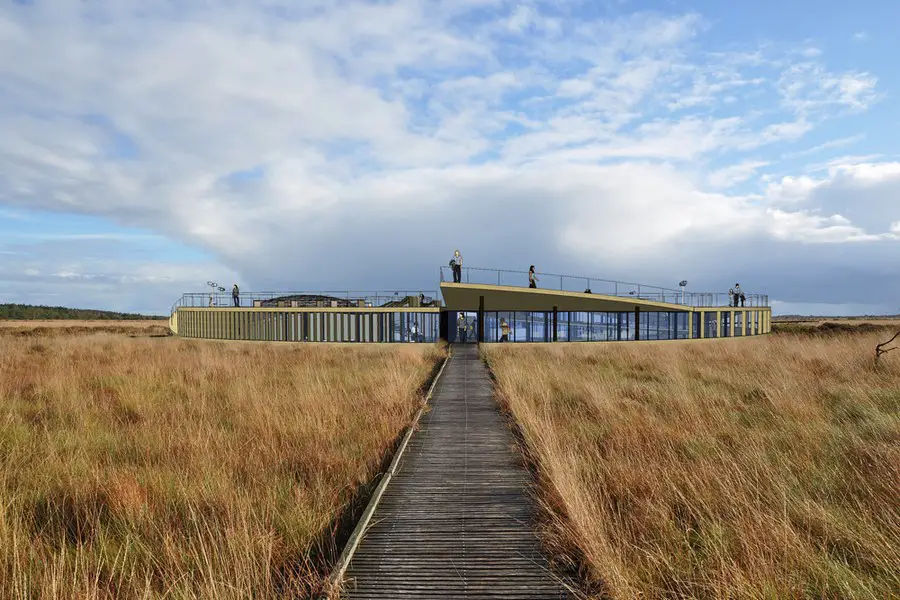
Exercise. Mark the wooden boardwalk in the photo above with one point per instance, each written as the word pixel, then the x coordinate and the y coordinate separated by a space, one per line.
pixel 456 520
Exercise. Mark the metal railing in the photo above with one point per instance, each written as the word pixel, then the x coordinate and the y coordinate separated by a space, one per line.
pixel 597 285
pixel 354 298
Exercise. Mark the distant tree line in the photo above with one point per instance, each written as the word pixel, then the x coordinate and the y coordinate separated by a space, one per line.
pixel 27 312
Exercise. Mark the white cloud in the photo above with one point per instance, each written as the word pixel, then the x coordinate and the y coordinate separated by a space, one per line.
pixel 860 36
pixel 791 189
pixel 867 173
pixel 811 89
pixel 836 143
pixel 735 174
pixel 50 273
pixel 838 162
pixel 384 131
pixel 856 90
pixel 806 227
pixel 527 17
pixel 861 192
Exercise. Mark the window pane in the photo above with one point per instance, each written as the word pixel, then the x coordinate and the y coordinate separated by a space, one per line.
pixel 711 326
pixel 562 327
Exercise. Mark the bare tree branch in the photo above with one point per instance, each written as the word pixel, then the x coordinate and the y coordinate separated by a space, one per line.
pixel 882 349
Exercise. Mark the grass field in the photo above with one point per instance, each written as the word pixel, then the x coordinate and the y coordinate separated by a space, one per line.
pixel 166 468
pixel 759 468
pixel 872 320
pixel 56 328
pixel 837 326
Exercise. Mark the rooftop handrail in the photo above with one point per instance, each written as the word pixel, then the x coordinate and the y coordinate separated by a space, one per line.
pixel 369 297
pixel 609 287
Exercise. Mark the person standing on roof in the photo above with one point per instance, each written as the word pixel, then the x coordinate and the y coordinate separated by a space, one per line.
pixel 456 265
pixel 738 295
pixel 532 278
pixel 236 295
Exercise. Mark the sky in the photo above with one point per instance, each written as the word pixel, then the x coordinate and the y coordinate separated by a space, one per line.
pixel 148 147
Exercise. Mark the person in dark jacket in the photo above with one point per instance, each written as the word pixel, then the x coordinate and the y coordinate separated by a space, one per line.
pixel 236 295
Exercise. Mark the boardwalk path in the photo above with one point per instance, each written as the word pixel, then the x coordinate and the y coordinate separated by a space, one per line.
pixel 455 522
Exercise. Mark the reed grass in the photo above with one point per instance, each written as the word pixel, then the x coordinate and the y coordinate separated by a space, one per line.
pixel 757 468
pixel 168 468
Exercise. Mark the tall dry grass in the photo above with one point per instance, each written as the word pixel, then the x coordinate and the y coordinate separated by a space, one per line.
pixel 758 468
pixel 166 468
pixel 67 327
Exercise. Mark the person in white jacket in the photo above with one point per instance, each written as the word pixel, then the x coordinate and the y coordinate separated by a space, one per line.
pixel 457 261
pixel 738 295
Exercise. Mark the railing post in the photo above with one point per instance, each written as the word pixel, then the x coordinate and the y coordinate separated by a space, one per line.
pixel 480 331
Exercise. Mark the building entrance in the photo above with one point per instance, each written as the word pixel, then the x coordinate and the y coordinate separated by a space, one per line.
pixel 465 328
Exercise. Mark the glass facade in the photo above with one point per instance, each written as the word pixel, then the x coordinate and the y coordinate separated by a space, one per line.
pixel 424 327
pixel 613 326
pixel 583 326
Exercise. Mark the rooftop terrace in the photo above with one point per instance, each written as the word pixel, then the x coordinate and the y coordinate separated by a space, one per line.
pixel 598 285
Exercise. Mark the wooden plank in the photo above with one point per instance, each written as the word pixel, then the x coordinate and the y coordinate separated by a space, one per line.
pixel 457 520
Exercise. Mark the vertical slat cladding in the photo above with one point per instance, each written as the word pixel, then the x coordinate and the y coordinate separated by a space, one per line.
pixel 456 521
pixel 228 323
